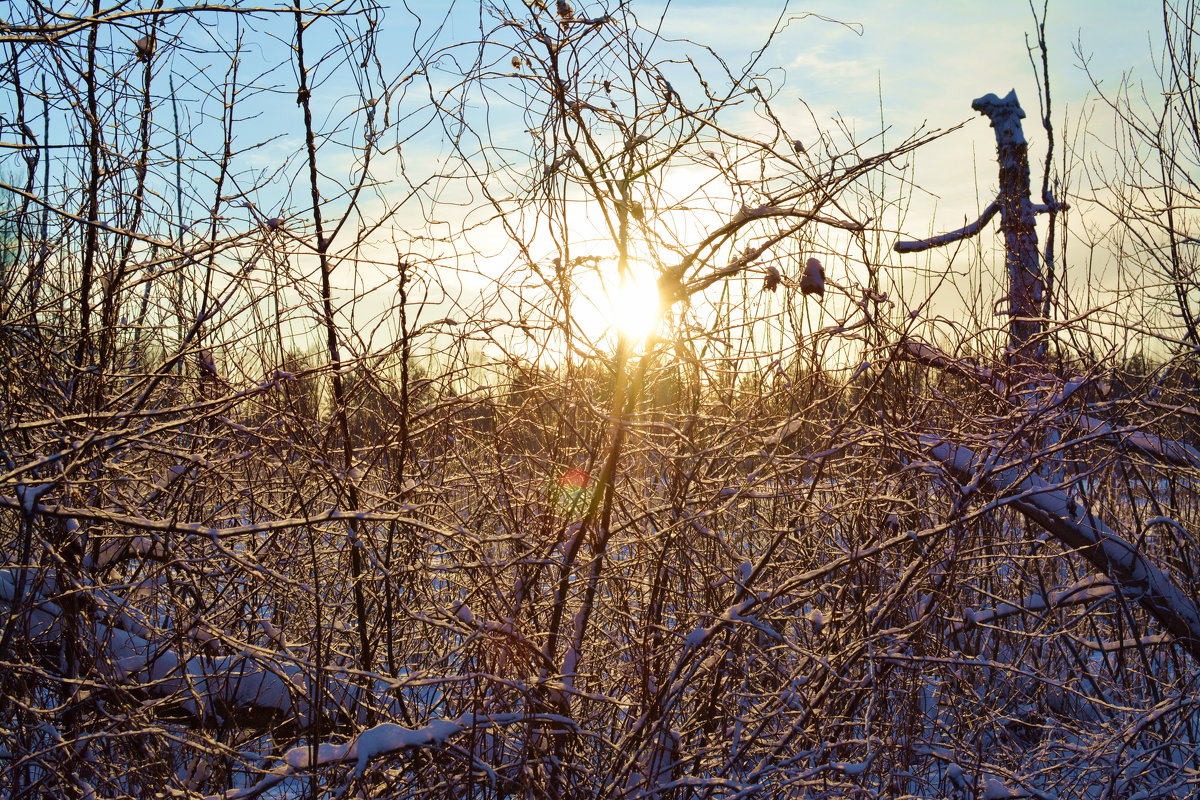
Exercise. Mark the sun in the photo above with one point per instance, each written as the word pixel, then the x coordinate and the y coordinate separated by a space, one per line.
pixel 632 304
pixel 606 305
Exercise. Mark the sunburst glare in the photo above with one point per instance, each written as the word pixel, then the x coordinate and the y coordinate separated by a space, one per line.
pixel 610 305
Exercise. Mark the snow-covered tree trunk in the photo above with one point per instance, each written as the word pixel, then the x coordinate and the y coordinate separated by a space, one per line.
pixel 1026 286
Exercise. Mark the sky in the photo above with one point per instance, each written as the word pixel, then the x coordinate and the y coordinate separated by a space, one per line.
pixel 904 65
pixel 923 61
pixel 911 62
pixel 926 54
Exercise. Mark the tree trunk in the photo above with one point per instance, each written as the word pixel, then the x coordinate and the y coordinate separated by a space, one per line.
pixel 1025 281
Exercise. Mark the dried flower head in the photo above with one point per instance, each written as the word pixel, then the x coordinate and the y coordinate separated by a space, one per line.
pixel 813 281
pixel 772 279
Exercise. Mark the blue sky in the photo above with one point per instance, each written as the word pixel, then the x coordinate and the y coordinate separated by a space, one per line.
pixel 900 64
pixel 907 65
pixel 924 61
pixel 925 53
pixel 903 64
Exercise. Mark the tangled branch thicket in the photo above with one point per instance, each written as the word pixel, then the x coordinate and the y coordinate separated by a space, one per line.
pixel 321 476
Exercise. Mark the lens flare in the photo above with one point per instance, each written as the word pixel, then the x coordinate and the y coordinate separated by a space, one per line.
pixel 572 492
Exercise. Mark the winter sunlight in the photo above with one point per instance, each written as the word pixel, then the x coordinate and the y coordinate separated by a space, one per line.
pixel 628 305
pixel 600 400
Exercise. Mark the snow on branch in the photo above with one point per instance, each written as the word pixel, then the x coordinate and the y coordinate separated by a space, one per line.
pixel 1053 206
pixel 1005 114
pixel 381 740
pixel 965 232
pixel 1133 575
pixel 209 688
pixel 1088 590
pixel 131 522
pixel 1154 447
pixel 930 356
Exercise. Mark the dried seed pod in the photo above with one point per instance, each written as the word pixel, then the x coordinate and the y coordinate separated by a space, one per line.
pixel 772 279
pixel 145 48
pixel 813 281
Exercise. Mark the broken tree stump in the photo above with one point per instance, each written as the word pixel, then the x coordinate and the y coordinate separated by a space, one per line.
pixel 1026 282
